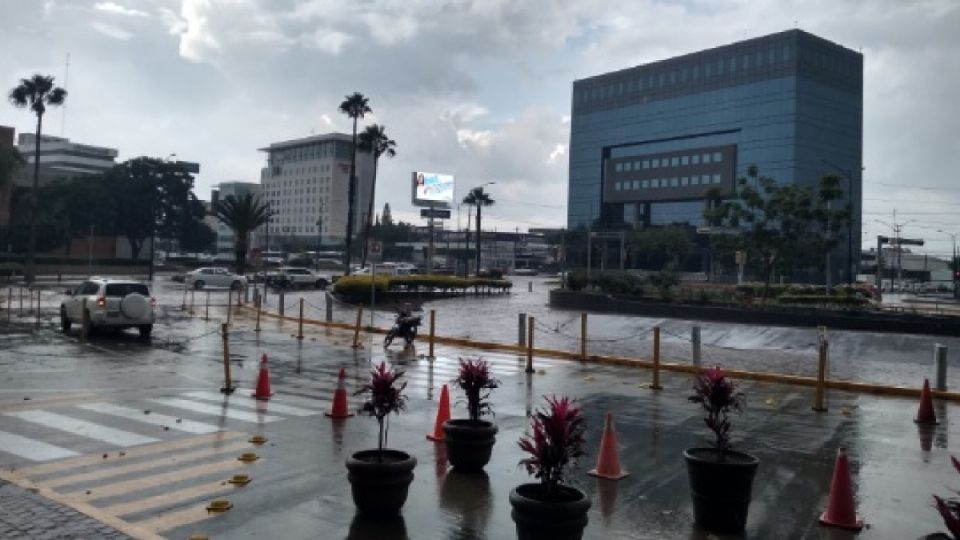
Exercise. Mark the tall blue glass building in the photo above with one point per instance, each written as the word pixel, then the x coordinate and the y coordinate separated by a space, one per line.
pixel 647 142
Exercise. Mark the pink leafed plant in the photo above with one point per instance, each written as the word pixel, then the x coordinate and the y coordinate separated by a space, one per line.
pixel 475 381
pixel 950 509
pixel 384 396
pixel 719 397
pixel 555 444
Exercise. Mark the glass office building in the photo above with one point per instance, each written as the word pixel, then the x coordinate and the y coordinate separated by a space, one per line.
pixel 647 142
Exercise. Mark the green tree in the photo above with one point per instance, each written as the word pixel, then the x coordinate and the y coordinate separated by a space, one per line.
pixel 243 215
pixel 197 237
pixel 387 216
pixel 355 106
pixel 374 141
pixel 37 93
pixel 784 228
pixel 657 247
pixel 479 198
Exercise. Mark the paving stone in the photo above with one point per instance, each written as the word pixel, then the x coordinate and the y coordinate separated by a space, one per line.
pixel 29 516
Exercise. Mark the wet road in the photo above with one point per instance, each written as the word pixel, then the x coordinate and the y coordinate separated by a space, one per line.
pixel 89 400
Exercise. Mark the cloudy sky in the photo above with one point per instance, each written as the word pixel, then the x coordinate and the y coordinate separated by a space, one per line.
pixel 479 88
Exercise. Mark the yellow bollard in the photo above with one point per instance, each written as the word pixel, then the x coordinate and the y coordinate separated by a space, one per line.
pixel 228 387
pixel 819 403
pixel 529 344
pixel 656 359
pixel 583 337
pixel 300 323
pixel 433 318
pixel 356 329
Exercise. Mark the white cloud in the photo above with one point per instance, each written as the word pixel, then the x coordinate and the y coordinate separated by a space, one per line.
pixel 117 9
pixel 196 40
pixel 111 31
pixel 327 40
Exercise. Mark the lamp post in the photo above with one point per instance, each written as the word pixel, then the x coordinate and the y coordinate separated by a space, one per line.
pixel 954 269
pixel 848 175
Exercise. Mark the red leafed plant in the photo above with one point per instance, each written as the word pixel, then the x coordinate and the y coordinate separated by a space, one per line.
pixel 718 397
pixel 558 435
pixel 473 379
pixel 950 509
pixel 384 396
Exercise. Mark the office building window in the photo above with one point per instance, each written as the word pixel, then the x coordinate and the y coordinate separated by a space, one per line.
pixel 636 184
pixel 655 183
pixel 695 159
pixel 645 184
pixel 716 179
pixel 706 158
pixel 695 180
pixel 646 164
pixel 685 181
pixel 685 160
pixel 628 166
pixel 655 163
pixel 674 161
pixel 636 166
pixel 717 158
pixel 674 182
pixel 618 167
pixel 618 186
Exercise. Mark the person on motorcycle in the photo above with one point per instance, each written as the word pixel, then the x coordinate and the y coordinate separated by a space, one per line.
pixel 405 317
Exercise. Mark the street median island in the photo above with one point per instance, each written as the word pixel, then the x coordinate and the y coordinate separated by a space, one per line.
pixel 864 319
pixel 356 289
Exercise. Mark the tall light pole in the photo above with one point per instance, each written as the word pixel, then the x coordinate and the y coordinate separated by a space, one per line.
pixel 954 269
pixel 848 175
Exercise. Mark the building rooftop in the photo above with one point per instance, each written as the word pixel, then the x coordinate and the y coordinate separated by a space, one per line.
pixel 293 143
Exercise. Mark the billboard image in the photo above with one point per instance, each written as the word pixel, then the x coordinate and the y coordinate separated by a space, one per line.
pixel 432 189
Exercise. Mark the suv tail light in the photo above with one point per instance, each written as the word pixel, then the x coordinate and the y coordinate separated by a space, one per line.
pixel 153 301
pixel 102 301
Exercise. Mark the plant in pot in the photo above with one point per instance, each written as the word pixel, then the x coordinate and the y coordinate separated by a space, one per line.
pixel 470 441
pixel 379 478
pixel 551 509
pixel 950 513
pixel 721 479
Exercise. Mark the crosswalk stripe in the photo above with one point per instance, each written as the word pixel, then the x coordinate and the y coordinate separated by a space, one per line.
pixel 250 403
pixel 222 437
pixel 169 498
pixel 206 408
pixel 125 487
pixel 33 450
pixel 172 520
pixel 171 422
pixel 83 428
pixel 145 465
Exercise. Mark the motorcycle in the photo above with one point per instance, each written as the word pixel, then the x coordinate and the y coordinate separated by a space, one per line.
pixel 405 327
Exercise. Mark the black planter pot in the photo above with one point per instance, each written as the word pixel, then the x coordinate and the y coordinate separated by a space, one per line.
pixel 540 519
pixel 720 489
pixel 469 444
pixel 380 487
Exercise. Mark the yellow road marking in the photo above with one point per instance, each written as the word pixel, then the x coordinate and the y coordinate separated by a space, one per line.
pixel 170 498
pixel 139 451
pixel 172 520
pixel 144 465
pixel 146 482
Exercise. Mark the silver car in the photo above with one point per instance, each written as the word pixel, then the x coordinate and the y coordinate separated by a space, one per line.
pixel 112 303
pixel 214 277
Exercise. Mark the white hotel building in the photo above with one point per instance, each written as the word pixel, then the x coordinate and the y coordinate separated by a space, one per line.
pixel 306 183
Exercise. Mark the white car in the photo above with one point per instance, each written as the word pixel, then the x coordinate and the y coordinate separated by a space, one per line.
pixel 292 276
pixel 214 277
pixel 112 303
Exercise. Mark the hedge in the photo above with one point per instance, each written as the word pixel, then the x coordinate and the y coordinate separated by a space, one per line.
pixel 819 299
pixel 350 286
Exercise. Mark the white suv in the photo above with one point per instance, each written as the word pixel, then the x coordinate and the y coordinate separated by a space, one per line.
pixel 214 277
pixel 113 303
pixel 292 276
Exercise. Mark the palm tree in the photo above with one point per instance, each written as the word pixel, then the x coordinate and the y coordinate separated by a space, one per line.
pixel 374 140
pixel 36 92
pixel 354 106
pixel 479 198
pixel 243 215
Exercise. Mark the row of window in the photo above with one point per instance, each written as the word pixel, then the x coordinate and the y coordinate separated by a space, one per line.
pixel 676 161
pixel 676 181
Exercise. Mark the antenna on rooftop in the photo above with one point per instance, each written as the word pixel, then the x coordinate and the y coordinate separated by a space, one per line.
pixel 66 82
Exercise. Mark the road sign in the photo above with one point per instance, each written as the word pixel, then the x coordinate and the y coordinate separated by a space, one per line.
pixel 434 213
pixel 375 248
pixel 740 257
pixel 717 230
pixel 900 241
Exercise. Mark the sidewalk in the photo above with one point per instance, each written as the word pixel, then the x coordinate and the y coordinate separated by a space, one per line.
pixel 29 516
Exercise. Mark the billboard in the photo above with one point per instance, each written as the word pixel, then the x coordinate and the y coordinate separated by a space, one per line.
pixel 432 189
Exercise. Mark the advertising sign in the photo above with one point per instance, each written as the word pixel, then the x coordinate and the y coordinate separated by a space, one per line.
pixel 435 214
pixel 432 189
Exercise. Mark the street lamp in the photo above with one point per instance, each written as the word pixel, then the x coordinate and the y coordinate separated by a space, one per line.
pixel 848 175
pixel 954 269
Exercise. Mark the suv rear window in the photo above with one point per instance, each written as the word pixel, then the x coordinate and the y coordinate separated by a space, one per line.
pixel 123 289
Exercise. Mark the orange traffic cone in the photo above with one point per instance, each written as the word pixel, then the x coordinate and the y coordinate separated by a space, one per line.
pixel 339 409
pixel 443 414
pixel 925 414
pixel 841 511
pixel 608 460
pixel 263 381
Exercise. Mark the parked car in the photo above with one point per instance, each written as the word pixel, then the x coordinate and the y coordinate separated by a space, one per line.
pixel 215 277
pixel 112 303
pixel 294 276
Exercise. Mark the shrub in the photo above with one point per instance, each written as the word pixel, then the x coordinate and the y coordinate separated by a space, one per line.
pixel 556 443
pixel 384 396
pixel 576 280
pixel 718 397
pixel 950 509
pixel 473 379
pixel 819 299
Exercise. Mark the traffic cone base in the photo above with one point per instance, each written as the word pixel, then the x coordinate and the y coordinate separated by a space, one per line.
pixel 841 510
pixel 262 391
pixel 608 459
pixel 925 414
pixel 340 408
pixel 443 414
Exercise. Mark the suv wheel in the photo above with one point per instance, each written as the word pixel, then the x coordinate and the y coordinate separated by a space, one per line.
pixel 322 284
pixel 236 285
pixel 198 284
pixel 145 330
pixel 64 320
